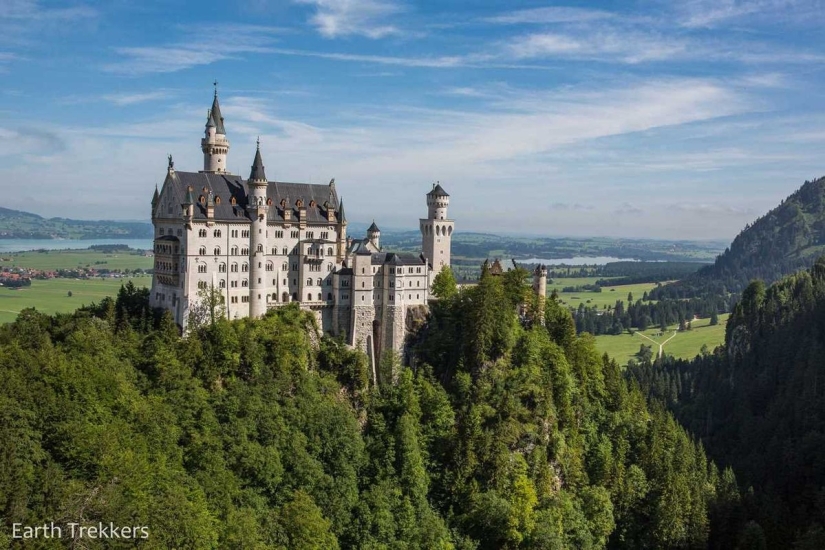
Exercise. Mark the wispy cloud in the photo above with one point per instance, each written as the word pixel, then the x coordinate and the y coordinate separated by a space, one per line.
pixel 31 10
pixel 549 15
pixel 133 98
pixel 714 13
pixel 605 44
pixel 193 52
pixel 337 18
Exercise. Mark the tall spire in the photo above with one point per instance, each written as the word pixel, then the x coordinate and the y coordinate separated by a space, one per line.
pixel 216 113
pixel 257 174
pixel 343 216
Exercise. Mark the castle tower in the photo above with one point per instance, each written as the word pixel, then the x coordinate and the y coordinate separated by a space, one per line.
pixel 374 236
pixel 437 229
pixel 214 144
pixel 540 288
pixel 258 209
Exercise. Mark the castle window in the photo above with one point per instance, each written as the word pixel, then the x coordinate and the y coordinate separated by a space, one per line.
pixel 234 250
pixel 325 235
pixel 269 202
pixel 294 234
pixel 285 252
pixel 201 284
pixel 363 284
pixel 233 284
pixel 329 295
pixel 329 267
pixel 319 282
pixel 294 267
pixel 310 235
pixel 279 234
pixel 284 266
pixel 261 248
pixel 222 283
pixel 232 201
pixel 309 282
pixel 217 251
pixel 202 199
pixel 234 268
pixel 294 282
pixel 274 252
pixel 222 268
pixel 245 267
pixel 329 251
pixel 259 280
pixel 202 251
pixel 201 268
pixel 244 299
pixel 285 297
pixel 244 283
pixel 180 233
pixel 202 233
pixel 234 233
pixel 270 266
pixel 244 252
pixel 295 296
pixel 245 234
pixel 169 231
pixel 216 233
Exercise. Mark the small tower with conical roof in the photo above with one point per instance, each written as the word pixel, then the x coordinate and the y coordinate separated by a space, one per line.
pixel 214 144
pixel 258 209
pixel 437 229
pixel 374 236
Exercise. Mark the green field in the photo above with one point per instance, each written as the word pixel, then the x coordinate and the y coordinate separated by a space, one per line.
pixel 685 345
pixel 52 295
pixel 607 297
pixel 71 259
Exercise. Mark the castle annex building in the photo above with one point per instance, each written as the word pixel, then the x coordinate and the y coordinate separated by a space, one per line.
pixel 264 244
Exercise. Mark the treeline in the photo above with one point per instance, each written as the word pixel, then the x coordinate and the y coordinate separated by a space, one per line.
pixel 643 314
pixel 759 405
pixel 256 434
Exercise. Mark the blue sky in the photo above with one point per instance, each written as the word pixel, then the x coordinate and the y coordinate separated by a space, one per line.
pixel 653 118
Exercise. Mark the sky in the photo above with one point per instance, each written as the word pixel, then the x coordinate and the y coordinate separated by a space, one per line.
pixel 663 119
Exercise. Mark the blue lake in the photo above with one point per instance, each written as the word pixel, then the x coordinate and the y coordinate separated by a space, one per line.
pixel 21 245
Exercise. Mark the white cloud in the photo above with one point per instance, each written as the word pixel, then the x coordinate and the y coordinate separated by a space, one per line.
pixel 550 15
pixel 604 44
pixel 716 13
pixel 337 18
pixel 133 98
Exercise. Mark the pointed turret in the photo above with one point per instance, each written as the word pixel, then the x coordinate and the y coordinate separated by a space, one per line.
pixel 155 197
pixel 373 228
pixel 374 235
pixel 216 115
pixel 257 174
pixel 214 144
pixel 341 211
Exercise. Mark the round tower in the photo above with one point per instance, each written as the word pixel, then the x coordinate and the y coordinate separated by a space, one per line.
pixel 374 235
pixel 258 210
pixel 214 144
pixel 437 229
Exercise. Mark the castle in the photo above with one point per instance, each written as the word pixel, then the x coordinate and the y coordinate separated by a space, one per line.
pixel 263 244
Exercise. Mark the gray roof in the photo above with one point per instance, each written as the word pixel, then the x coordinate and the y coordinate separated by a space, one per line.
pixel 438 191
pixel 210 121
pixel 225 187
pixel 257 172
pixel 216 115
pixel 373 228
pixel 396 258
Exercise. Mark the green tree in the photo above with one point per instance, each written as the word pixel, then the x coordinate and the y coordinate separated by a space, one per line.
pixel 444 284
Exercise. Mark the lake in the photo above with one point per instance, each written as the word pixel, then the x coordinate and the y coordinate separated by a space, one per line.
pixel 21 245
pixel 578 260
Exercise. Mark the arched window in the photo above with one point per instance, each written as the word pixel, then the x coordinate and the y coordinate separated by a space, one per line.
pixel 202 233
pixel 309 297
pixel 222 268
pixel 274 251
pixel 217 251
pixel 285 297
pixel 329 295
pixel 309 282
pixel 329 251
pixel 438 230
pixel 234 268
pixel 261 248
pixel 329 267
pixel 234 250
pixel 222 283
pixel 201 268
pixel 245 267
pixel 244 283
pixel 284 266
pixel 285 252
pixel 244 252
pixel 295 296
pixel 320 297
pixel 269 266
pixel 202 251
pixel 216 233
pixel 449 231
pixel 319 283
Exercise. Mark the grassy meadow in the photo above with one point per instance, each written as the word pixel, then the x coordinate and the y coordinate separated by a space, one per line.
pixel 607 297
pixel 72 259
pixel 52 295
pixel 685 345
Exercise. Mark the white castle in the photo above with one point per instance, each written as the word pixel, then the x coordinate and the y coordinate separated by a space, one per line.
pixel 264 244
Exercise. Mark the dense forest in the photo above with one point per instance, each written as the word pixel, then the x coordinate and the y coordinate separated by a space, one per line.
pixel 507 433
pixel 788 238
pixel 758 405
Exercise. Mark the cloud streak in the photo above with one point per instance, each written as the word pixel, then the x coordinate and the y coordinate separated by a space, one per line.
pixel 340 18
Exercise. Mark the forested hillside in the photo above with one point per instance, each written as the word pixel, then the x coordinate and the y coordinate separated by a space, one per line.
pixel 255 434
pixel 15 224
pixel 788 238
pixel 759 404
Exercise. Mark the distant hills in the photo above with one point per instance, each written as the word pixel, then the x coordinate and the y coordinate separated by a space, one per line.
pixel 16 224
pixel 788 238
